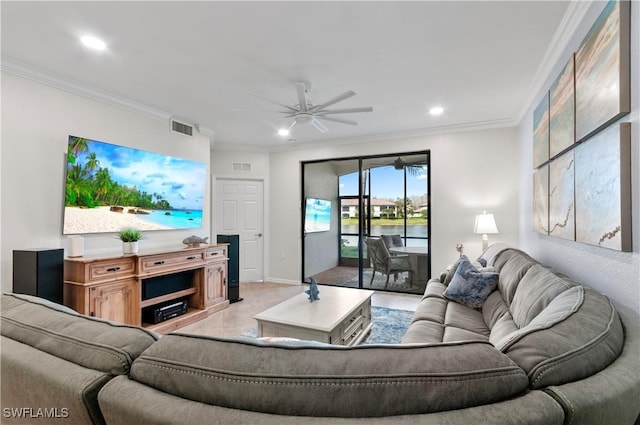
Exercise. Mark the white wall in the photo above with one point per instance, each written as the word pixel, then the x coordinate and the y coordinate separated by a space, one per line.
pixel 321 248
pixel 470 172
pixel 617 274
pixel 36 122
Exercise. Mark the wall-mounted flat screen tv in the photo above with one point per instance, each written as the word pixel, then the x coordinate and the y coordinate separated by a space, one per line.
pixel 317 215
pixel 109 187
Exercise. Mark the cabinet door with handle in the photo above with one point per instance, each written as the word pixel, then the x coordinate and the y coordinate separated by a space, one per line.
pixel 116 301
pixel 215 283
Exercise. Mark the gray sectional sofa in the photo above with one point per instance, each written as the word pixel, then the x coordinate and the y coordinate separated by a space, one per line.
pixel 541 350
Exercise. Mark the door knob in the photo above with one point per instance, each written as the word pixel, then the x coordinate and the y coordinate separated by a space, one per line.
pixel 259 235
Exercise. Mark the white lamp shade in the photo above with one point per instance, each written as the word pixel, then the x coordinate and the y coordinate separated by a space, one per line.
pixel 485 224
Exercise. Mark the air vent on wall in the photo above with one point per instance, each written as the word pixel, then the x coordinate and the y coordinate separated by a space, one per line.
pixel 182 128
pixel 241 167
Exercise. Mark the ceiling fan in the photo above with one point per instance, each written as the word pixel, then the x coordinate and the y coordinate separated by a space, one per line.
pixel 305 112
pixel 415 165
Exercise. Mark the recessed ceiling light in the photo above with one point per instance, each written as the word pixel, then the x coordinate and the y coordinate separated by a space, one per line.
pixel 93 42
pixel 436 110
pixel 283 132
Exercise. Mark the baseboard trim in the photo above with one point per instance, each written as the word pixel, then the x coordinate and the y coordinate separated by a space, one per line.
pixel 285 281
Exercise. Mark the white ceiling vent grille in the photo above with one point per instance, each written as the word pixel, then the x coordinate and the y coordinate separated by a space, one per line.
pixel 241 167
pixel 182 128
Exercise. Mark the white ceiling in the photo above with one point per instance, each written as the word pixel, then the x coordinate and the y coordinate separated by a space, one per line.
pixel 484 62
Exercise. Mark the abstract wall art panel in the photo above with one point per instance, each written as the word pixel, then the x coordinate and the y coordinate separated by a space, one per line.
pixel 603 189
pixel 561 200
pixel 603 71
pixel 541 200
pixel 541 132
pixel 561 111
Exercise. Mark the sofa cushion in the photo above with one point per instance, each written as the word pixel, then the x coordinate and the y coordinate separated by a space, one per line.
pixel 451 271
pixel 489 255
pixel 578 334
pixel 34 379
pixel 89 342
pixel 537 288
pixel 493 309
pixel 362 381
pixel 434 289
pixel 470 286
pixel 438 319
pixel 512 265
pixel 503 328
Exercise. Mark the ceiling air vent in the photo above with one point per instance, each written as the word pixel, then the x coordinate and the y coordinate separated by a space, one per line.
pixel 182 128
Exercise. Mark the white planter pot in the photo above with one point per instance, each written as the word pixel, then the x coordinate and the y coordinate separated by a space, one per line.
pixel 130 247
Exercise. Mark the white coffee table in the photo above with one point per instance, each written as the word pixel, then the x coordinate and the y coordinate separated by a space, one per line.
pixel 342 316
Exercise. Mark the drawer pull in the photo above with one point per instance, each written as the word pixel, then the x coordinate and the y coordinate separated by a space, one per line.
pixel 191 258
pixel 158 263
pixel 214 253
pixel 113 269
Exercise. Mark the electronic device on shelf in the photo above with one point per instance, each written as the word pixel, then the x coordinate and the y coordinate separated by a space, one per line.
pixel 165 311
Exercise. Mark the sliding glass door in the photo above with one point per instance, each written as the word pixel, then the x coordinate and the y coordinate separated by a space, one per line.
pixel 377 236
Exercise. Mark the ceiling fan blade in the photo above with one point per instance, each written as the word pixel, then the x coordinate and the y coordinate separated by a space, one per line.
pixel 339 98
pixel 346 110
pixel 301 91
pixel 340 120
pixel 317 124
pixel 274 102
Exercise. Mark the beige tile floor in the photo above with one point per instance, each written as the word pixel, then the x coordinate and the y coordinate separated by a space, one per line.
pixel 259 296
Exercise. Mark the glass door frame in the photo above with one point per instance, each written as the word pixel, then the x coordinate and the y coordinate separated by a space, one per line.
pixel 364 225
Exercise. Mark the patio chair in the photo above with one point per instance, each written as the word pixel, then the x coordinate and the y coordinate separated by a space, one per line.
pixel 383 262
pixel 392 241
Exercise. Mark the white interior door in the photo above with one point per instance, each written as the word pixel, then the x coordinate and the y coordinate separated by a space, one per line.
pixel 239 210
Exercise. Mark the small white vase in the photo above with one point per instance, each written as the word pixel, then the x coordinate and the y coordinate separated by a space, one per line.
pixel 130 247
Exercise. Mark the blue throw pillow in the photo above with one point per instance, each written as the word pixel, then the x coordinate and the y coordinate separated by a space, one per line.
pixel 470 286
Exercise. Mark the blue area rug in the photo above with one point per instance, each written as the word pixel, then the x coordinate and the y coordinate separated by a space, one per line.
pixel 389 326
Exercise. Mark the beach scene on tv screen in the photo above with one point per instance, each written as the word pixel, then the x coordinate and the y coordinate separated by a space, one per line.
pixel 110 187
pixel 317 215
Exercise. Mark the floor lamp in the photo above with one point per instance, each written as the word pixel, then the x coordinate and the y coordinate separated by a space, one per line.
pixel 485 225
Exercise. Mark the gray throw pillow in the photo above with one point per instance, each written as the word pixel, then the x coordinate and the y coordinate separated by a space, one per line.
pixel 470 286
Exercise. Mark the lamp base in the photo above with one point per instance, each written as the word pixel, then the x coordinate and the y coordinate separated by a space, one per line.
pixel 485 242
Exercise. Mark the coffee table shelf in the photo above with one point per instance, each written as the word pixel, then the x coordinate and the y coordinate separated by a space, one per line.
pixel 341 316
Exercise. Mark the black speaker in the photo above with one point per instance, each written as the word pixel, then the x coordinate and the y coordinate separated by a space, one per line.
pixel 39 272
pixel 233 266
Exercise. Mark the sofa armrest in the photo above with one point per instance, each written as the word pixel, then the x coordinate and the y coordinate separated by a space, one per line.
pixel 611 395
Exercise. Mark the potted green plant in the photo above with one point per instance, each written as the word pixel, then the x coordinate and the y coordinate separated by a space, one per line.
pixel 130 237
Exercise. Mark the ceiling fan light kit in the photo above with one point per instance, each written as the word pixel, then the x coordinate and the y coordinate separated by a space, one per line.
pixel 304 112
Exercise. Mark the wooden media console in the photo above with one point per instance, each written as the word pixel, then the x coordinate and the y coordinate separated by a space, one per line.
pixel 119 287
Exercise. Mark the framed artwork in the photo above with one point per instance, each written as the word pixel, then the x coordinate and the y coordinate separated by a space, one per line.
pixel 603 189
pixel 541 200
pixel 603 71
pixel 561 111
pixel 541 132
pixel 561 197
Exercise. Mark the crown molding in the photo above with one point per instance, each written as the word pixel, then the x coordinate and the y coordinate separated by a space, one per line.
pixel 57 81
pixel 369 138
pixel 562 38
